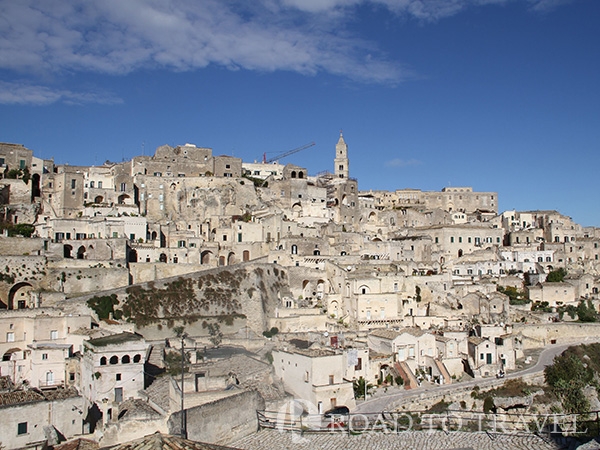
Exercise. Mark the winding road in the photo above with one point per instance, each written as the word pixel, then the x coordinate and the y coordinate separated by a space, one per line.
pixel 391 401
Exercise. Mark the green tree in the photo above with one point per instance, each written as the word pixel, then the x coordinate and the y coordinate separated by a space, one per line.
pixel 586 311
pixel 105 305
pixel 360 388
pixel 567 377
pixel 214 333
pixel 173 362
pixel 556 276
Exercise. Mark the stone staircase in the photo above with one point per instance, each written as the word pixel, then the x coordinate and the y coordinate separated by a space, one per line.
pixel 410 381
pixel 443 371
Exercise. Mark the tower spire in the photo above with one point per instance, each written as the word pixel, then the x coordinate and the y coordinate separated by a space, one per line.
pixel 341 161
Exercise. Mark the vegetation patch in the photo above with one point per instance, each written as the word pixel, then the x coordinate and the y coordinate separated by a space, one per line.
pixel 104 306
pixel 570 373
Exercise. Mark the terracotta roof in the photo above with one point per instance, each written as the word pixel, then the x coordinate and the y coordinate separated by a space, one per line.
pixel 167 442
pixel 385 334
pixel 77 444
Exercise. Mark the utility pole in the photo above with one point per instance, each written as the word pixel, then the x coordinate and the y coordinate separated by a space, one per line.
pixel 183 424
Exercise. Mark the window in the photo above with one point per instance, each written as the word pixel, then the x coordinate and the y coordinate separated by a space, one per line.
pixel 118 377
pixel 123 187
pixel 73 183
pixel 71 376
pixel 224 237
pixel 331 379
pixel 91 184
pixel 451 238
pixel 54 334
pixel 358 365
pixel 22 428
pixel 44 356
pixel 10 337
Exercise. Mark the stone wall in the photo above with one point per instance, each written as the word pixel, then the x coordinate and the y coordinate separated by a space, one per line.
pixel 144 272
pixel 535 336
pixel 222 421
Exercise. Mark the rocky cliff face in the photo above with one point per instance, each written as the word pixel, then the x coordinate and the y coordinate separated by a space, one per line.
pixel 246 292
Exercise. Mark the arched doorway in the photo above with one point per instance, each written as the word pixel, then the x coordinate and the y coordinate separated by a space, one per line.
pixel 246 256
pixel 67 251
pixel 162 258
pixel 81 252
pixel 205 257
pixel 231 259
pixel 133 256
pixel 18 296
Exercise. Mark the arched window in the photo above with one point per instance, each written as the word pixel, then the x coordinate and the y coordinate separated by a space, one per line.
pixel 125 359
pixel 300 174
pixel 293 174
pixel 137 358
pixel 103 361
pixel 114 359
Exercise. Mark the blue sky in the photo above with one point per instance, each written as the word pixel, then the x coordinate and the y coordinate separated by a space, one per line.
pixel 500 95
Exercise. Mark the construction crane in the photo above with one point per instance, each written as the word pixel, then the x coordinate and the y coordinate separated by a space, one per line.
pixel 283 155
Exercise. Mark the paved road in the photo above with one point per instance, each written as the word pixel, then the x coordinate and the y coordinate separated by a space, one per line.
pixel 390 402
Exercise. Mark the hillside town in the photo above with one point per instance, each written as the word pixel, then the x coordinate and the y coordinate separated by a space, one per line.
pixel 183 292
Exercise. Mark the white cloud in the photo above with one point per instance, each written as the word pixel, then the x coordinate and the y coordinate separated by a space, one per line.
pixel 21 93
pixel 118 37
pixel 397 162
pixel 547 5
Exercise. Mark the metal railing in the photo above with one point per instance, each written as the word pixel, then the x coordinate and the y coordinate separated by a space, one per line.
pixel 545 425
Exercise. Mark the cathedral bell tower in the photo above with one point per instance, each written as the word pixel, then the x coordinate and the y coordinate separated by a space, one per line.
pixel 342 169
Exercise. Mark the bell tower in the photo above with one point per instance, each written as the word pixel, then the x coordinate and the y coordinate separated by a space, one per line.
pixel 341 163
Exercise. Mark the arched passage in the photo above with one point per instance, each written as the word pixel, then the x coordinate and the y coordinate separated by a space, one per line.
pixel 81 252
pixel 67 251
pixel 18 296
pixel 205 257
pixel 231 259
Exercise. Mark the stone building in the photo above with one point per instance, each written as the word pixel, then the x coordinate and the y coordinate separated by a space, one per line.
pixel 112 370
pixel 316 376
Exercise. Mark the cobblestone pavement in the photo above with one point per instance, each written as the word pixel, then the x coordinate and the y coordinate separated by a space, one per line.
pixel 409 440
